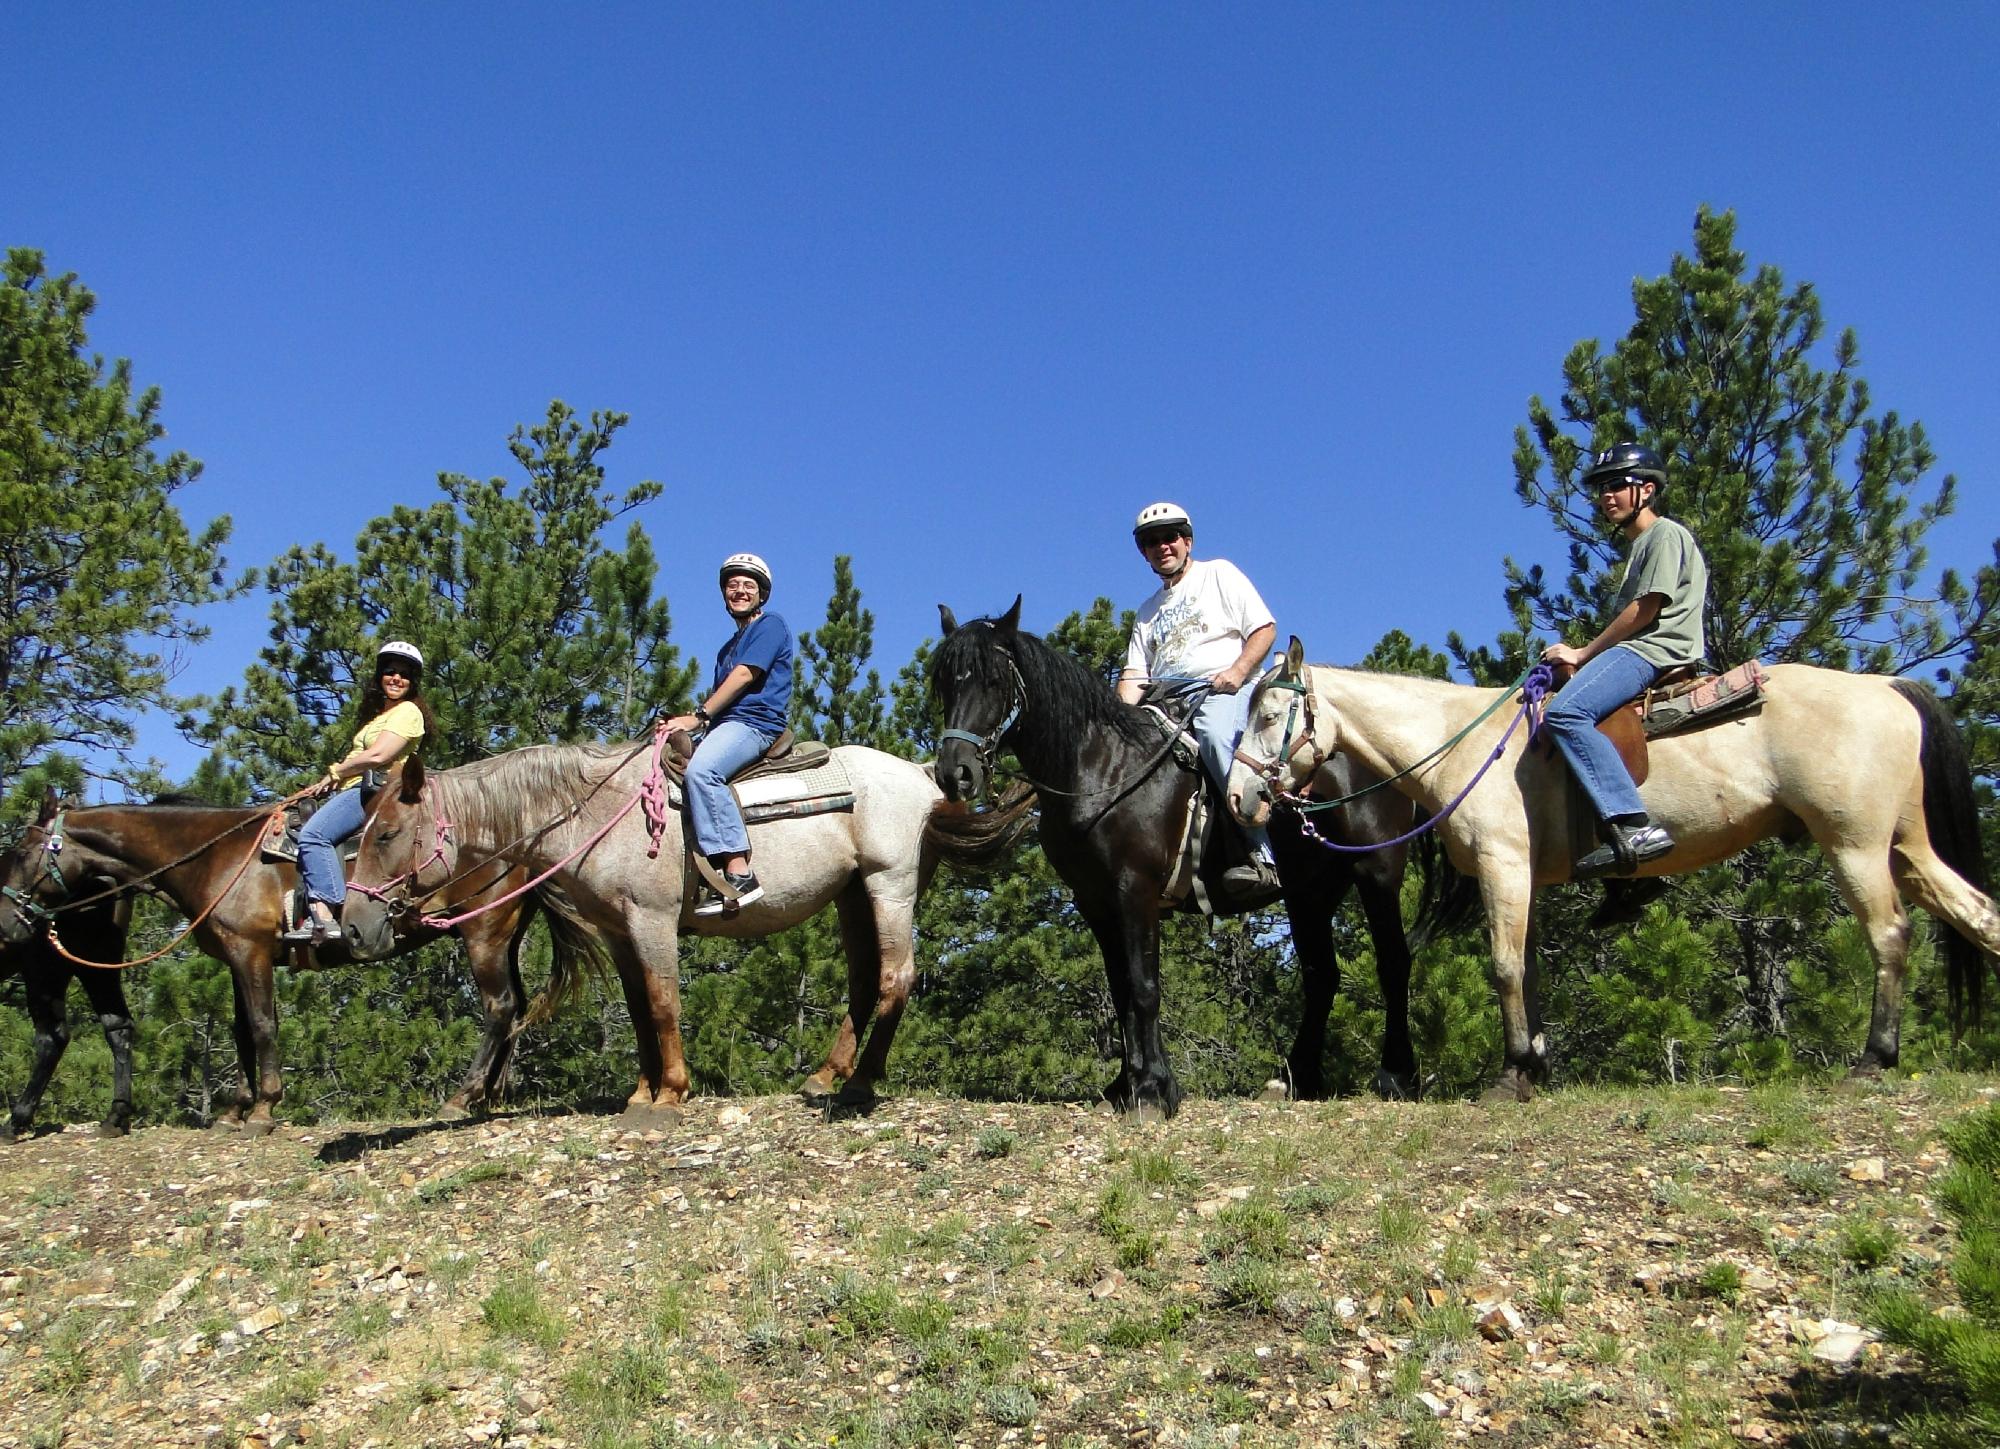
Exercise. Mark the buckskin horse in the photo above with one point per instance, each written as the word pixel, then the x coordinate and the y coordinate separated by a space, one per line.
pixel 204 859
pixel 567 811
pixel 1872 768
pixel 1111 817
pixel 98 934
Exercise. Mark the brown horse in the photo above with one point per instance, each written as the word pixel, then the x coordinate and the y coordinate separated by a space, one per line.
pixel 96 933
pixel 203 858
pixel 1872 768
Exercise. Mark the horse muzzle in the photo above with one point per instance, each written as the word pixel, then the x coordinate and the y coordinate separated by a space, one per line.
pixel 366 928
pixel 960 773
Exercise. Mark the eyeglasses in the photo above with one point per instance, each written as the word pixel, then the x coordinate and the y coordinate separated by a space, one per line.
pixel 391 672
pixel 1158 537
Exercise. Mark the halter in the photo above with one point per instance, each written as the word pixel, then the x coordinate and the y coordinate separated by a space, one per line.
pixel 29 906
pixel 441 834
pixel 1269 770
pixel 987 744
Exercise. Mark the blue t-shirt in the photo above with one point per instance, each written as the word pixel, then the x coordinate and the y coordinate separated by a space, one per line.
pixel 764 643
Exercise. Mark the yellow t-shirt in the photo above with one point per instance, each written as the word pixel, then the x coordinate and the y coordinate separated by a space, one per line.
pixel 404 719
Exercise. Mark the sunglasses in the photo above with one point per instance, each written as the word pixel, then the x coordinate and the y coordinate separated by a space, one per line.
pixel 1155 539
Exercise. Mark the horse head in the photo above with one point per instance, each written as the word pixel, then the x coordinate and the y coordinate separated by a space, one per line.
pixel 32 883
pixel 405 837
pixel 979 693
pixel 1281 749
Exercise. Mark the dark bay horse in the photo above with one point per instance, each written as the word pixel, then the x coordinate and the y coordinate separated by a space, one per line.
pixel 97 933
pixel 1872 768
pixel 1074 736
pixel 203 858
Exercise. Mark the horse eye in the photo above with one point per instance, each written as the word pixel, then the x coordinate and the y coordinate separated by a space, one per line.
pixel 963 675
pixel 388 835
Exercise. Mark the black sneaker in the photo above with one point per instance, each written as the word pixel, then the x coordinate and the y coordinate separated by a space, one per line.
pixel 1630 846
pixel 1255 876
pixel 747 890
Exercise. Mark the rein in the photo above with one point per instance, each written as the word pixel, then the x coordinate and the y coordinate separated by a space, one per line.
pixel 1534 687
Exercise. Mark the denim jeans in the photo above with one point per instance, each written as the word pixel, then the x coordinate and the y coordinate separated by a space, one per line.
pixel 1218 728
pixel 726 748
pixel 319 862
pixel 1613 678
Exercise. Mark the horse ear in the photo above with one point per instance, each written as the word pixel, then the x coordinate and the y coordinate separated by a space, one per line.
pixel 948 619
pixel 1295 657
pixel 413 780
pixel 1010 622
pixel 51 805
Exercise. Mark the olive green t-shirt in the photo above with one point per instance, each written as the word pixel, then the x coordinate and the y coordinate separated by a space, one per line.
pixel 1666 560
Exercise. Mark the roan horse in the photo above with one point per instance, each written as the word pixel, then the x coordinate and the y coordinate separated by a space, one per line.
pixel 191 855
pixel 97 933
pixel 1111 826
pixel 1872 768
pixel 540 808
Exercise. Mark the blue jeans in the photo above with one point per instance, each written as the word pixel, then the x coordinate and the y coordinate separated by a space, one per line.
pixel 727 747
pixel 1218 729
pixel 319 862
pixel 1613 678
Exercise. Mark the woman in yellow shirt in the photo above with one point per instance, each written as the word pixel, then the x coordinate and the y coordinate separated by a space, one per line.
pixel 396 719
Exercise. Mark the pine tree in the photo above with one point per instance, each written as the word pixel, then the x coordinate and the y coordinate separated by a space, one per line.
pixel 830 698
pixel 100 575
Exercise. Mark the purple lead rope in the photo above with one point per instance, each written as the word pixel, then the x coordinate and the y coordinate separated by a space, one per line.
pixel 1534 691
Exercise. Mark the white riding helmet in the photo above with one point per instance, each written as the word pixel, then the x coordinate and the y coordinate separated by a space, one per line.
pixel 747 563
pixel 400 649
pixel 1162 515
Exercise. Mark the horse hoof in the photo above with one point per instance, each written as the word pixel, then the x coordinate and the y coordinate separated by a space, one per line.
pixel 223 1126
pixel 454 1112
pixel 1146 1113
pixel 1396 1087
pixel 114 1129
pixel 816 1090
pixel 260 1126
pixel 1275 1090
pixel 650 1116
pixel 9 1132
pixel 1505 1092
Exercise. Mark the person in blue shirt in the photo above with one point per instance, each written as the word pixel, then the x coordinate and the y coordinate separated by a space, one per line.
pixel 745 712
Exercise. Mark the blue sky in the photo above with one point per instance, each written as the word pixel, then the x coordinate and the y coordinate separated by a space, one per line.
pixel 956 289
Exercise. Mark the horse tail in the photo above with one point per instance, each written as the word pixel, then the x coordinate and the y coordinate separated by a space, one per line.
pixel 979 841
pixel 1953 825
pixel 576 954
pixel 1448 899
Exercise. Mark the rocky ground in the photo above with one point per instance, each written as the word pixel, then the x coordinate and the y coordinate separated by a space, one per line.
pixel 1673 1266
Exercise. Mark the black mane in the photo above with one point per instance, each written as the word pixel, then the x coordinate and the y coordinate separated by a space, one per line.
pixel 1066 700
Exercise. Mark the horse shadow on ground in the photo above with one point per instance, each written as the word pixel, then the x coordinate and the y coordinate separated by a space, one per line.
pixel 351 1146
pixel 1860 1407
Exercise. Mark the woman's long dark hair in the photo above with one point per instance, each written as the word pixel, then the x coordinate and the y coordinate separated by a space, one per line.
pixel 374 701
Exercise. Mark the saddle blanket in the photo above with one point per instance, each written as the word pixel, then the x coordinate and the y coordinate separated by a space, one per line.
pixel 819 791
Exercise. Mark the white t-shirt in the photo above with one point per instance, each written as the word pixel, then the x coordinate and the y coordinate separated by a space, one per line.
pixel 1197 628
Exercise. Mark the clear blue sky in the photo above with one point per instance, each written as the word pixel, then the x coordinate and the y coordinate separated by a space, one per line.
pixel 956 289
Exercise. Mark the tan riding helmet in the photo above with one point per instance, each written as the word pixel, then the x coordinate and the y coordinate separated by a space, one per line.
pixel 747 563
pixel 1162 515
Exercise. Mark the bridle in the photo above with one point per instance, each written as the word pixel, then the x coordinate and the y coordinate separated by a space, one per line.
pixel 1308 738
pixel 28 905
pixel 399 894
pixel 988 744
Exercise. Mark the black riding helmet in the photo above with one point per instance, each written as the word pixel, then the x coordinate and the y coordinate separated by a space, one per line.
pixel 1626 460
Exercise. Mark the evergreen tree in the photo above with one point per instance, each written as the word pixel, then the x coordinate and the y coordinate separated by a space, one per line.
pixel 830 698
pixel 99 574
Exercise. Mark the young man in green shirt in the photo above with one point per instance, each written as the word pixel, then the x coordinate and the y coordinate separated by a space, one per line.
pixel 1656 625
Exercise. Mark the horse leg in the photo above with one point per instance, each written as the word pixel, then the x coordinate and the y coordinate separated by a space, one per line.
pixel 1869 888
pixel 1396 1079
pixel 648 962
pixel 887 929
pixel 1319 979
pixel 47 989
pixel 498 982
pixel 106 990
pixel 237 1108
pixel 257 1038
pixel 863 950
pixel 1509 906
pixel 1128 933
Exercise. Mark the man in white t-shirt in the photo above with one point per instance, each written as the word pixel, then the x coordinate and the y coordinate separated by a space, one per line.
pixel 1205 626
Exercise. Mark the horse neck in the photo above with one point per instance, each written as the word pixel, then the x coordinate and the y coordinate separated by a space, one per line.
pixel 508 801
pixel 124 843
pixel 1389 722
pixel 1050 747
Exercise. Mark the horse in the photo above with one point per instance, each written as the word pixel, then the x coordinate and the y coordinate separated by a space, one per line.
pixel 1111 825
pixel 205 860
pixel 566 811
pixel 1871 768
pixel 98 932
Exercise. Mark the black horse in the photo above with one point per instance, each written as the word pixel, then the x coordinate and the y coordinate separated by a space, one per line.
pixel 96 933
pixel 1111 811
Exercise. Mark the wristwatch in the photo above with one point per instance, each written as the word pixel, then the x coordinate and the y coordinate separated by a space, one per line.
pixel 701 715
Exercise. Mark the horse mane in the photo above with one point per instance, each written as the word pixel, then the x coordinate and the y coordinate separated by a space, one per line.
pixel 519 789
pixel 1066 700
